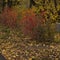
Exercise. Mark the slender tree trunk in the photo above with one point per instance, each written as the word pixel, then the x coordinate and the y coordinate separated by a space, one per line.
pixel 15 3
pixel 43 3
pixel 55 3
pixel 9 3
pixel 3 4
pixel 32 3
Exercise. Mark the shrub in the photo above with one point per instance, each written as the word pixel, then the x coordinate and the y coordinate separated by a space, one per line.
pixel 8 17
pixel 28 22
pixel 32 24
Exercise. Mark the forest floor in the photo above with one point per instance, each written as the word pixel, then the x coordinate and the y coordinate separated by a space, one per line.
pixel 16 47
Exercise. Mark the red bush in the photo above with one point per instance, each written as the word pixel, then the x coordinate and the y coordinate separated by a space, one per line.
pixel 8 17
pixel 30 23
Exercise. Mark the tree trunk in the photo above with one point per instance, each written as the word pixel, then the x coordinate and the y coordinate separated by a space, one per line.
pixel 55 3
pixel 32 3
pixel 3 4
pixel 9 3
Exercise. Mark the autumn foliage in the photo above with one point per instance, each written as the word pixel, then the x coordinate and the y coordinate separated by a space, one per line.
pixel 31 23
pixel 8 17
pixel 37 22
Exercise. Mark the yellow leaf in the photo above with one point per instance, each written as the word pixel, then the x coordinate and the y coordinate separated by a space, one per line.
pixel 30 58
